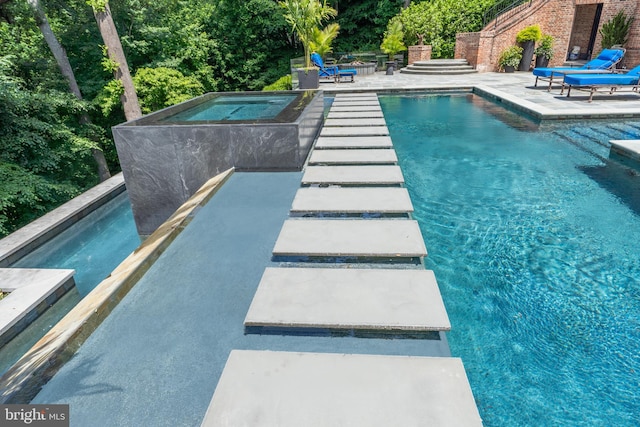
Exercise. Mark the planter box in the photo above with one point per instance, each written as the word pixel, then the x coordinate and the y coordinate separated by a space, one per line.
pixel 308 78
pixel 362 69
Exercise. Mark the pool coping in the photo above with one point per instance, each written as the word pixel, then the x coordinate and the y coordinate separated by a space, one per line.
pixel 26 377
pixel 26 239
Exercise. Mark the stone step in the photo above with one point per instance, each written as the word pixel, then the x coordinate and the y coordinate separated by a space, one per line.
pixel 355 122
pixel 439 68
pixel 287 389
pixel 443 62
pixel 387 200
pixel 375 301
pixel 355 131
pixel 354 114
pixel 353 157
pixel 353 175
pixel 352 142
pixel 437 72
pixel 375 238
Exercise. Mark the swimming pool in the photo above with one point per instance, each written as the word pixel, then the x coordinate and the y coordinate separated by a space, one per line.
pixel 94 246
pixel 533 235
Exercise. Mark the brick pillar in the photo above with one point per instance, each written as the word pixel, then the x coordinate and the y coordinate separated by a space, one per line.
pixel 419 53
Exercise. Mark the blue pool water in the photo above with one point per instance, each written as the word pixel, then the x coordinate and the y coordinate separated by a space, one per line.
pixel 94 246
pixel 533 235
pixel 234 108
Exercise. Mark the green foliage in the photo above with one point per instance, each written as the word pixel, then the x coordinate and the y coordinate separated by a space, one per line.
pixel 162 87
pixel 616 30
pixel 283 83
pixel 98 5
pixel 322 39
pixel 45 155
pixel 545 48
pixel 511 56
pixel 440 20
pixel 304 16
pixel 392 42
pixel 363 22
pixel 530 33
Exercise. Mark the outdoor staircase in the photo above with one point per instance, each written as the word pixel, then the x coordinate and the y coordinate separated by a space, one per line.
pixel 440 67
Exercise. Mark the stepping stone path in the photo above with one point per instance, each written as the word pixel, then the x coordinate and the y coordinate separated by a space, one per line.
pixel 350 218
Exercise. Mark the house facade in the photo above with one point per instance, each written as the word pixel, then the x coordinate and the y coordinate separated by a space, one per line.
pixel 572 23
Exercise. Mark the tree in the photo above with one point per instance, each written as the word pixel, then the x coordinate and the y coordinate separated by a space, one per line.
pixel 305 16
pixel 62 60
pixel 116 60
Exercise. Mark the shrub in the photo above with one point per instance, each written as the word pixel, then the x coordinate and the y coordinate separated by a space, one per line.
pixel 545 48
pixel 530 33
pixel 616 30
pixel 511 56
pixel 283 83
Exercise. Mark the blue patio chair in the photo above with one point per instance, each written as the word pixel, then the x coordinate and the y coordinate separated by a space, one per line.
pixel 606 60
pixel 333 71
pixel 627 82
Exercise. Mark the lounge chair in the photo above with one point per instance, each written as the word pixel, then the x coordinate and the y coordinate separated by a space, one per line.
pixel 627 82
pixel 607 60
pixel 332 72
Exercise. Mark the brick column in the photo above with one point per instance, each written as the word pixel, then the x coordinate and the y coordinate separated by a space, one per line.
pixel 419 53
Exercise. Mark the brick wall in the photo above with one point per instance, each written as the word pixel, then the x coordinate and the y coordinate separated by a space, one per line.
pixel 555 17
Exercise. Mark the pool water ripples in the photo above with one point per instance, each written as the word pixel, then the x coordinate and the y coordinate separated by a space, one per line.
pixel 538 263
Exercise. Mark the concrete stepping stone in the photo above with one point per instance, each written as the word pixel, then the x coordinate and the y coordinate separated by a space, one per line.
pixel 340 299
pixel 31 292
pixel 354 114
pixel 389 200
pixel 340 95
pixel 389 238
pixel 336 108
pixel 355 131
pixel 353 175
pixel 351 157
pixel 287 389
pixel 355 122
pixel 355 103
pixel 351 142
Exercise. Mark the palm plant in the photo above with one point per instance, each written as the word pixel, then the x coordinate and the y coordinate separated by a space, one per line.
pixel 305 16
pixel 393 39
pixel 322 39
pixel 616 30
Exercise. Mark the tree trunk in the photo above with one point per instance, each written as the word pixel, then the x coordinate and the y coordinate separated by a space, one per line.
pixel 407 3
pixel 62 59
pixel 111 40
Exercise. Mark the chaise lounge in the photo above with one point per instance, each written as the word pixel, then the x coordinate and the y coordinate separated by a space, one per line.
pixel 332 72
pixel 606 60
pixel 627 82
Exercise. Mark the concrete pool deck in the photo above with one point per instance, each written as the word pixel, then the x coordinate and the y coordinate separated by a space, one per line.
pixel 86 382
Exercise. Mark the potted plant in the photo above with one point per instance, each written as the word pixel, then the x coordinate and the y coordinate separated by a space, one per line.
pixel 527 38
pixel 510 58
pixel 305 16
pixel 393 43
pixel 544 51
pixel 616 30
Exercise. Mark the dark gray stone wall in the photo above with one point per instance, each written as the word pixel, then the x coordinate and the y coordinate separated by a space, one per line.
pixel 164 164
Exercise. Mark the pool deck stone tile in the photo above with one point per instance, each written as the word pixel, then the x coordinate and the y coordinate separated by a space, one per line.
pixel 386 200
pixel 289 389
pixel 388 238
pixel 349 157
pixel 353 142
pixel 355 131
pixel 353 175
pixel 372 300
pixel 356 108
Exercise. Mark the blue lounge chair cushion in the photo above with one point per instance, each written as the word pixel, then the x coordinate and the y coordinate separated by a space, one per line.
pixel 606 59
pixel 331 71
pixel 629 78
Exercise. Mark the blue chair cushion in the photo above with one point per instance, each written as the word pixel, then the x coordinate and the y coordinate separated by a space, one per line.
pixel 600 79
